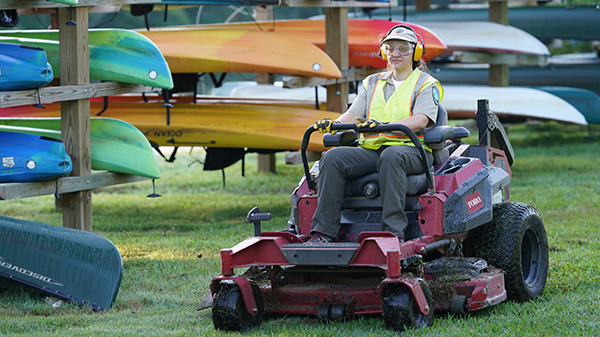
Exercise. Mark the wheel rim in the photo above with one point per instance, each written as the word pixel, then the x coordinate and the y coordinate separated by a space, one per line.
pixel 530 257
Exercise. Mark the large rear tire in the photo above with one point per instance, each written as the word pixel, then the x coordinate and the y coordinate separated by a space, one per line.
pixel 229 311
pixel 515 241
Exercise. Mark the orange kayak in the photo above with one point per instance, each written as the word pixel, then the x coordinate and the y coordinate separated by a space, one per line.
pixel 223 50
pixel 254 124
pixel 363 36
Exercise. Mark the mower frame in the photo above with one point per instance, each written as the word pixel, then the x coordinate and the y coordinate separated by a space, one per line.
pixel 373 272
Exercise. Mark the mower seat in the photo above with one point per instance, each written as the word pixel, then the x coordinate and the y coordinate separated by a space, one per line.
pixel 363 192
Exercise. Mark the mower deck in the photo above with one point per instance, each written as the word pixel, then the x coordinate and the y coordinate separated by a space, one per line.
pixel 350 278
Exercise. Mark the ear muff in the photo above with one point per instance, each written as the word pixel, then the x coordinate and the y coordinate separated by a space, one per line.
pixel 419 47
pixel 382 54
pixel 419 51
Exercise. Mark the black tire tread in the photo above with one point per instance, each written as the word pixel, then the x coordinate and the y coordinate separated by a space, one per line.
pixel 499 243
pixel 399 308
pixel 229 311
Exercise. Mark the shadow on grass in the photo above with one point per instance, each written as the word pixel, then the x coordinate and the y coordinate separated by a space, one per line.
pixel 550 134
pixel 175 216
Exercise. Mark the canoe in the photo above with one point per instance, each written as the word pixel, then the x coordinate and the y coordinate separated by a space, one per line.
pixel 587 102
pixel 238 50
pixel 219 2
pixel 23 67
pixel 253 125
pixel 115 145
pixel 363 36
pixel 575 58
pixel 543 22
pixel 486 37
pixel 115 55
pixel 570 74
pixel 66 2
pixel 68 263
pixel 29 158
pixel 461 102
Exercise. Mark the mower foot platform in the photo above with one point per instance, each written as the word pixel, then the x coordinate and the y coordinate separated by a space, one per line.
pixel 332 254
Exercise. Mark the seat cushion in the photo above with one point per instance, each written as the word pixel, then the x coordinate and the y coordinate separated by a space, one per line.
pixel 415 184
pixel 364 203
pixel 355 197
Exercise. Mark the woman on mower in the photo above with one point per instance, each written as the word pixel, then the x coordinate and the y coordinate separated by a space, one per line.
pixel 402 95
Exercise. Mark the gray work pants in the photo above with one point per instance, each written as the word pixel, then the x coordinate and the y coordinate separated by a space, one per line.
pixel 339 164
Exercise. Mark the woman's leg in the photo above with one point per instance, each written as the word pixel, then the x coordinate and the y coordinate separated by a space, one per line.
pixel 395 163
pixel 335 167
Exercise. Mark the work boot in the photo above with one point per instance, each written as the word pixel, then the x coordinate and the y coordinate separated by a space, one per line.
pixel 317 237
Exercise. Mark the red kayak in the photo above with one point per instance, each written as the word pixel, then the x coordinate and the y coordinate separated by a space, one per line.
pixel 363 36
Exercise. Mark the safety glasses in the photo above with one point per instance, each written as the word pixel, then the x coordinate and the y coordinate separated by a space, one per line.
pixel 404 48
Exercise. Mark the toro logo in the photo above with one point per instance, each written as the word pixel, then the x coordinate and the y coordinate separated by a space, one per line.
pixel 474 202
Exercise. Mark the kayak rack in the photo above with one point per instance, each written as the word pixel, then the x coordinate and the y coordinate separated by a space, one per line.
pixel 66 185
pixel 68 92
pixel 74 94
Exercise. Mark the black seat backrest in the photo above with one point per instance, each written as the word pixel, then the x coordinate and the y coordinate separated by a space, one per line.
pixel 442 116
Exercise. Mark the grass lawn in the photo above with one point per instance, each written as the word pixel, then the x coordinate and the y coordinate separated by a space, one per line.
pixel 170 248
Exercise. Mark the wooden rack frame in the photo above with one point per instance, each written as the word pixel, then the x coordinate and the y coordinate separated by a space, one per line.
pixel 74 95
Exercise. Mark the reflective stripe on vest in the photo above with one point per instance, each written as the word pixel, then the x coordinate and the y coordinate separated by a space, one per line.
pixel 396 108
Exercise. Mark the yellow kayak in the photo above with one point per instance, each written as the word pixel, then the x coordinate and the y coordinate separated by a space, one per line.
pixel 239 50
pixel 253 124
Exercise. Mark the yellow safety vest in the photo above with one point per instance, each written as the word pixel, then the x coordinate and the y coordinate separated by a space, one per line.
pixel 399 106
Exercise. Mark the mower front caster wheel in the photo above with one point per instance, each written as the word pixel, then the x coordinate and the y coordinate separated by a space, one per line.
pixel 229 311
pixel 401 312
pixel 458 306
pixel 337 312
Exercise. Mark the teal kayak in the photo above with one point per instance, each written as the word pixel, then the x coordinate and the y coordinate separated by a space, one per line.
pixel 23 67
pixel 69 263
pixel 116 146
pixel 115 55
pixel 586 101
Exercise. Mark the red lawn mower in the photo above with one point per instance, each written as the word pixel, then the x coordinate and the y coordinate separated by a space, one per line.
pixel 467 247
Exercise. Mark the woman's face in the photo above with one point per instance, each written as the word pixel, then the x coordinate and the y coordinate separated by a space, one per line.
pixel 399 54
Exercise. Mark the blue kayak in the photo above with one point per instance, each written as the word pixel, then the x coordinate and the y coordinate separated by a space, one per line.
pixel 28 158
pixel 23 67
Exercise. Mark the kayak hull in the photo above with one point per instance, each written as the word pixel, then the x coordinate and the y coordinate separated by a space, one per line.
pixel 30 158
pixel 116 146
pixel 23 67
pixel 68 263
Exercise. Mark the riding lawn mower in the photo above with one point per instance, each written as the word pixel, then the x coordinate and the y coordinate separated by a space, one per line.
pixel 467 246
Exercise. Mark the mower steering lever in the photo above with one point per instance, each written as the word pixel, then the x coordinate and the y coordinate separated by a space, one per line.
pixel 305 139
pixel 378 129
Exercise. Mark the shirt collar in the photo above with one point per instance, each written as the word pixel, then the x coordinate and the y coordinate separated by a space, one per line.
pixel 387 75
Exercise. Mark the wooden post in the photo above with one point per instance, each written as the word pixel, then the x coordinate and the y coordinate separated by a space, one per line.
pixel 498 73
pixel 266 161
pixel 422 5
pixel 75 115
pixel 336 46
pixel 264 13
